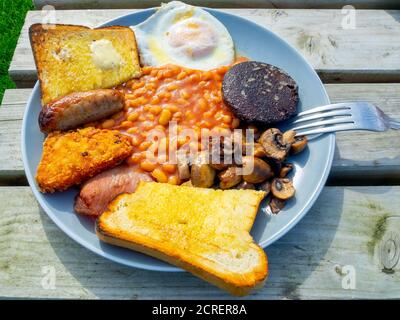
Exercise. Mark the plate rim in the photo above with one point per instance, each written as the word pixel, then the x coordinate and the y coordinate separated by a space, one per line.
pixel 169 268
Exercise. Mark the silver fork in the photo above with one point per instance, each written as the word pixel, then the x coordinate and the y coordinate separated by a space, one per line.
pixel 342 117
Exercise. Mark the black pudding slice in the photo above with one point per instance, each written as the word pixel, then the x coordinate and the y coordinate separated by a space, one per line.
pixel 259 92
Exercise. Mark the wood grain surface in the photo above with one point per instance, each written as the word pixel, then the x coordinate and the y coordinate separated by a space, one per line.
pixel 334 252
pixel 368 53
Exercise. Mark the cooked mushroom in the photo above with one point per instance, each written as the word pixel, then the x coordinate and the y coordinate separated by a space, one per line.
pixel 276 205
pixel 286 168
pixel 229 178
pixel 245 185
pixel 261 170
pixel 219 166
pixel 202 174
pixel 282 188
pixel 276 166
pixel 257 149
pixel 289 137
pixel 265 186
pixel 273 144
pixel 183 166
pixel 299 144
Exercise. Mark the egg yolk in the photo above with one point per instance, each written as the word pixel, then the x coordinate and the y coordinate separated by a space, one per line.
pixel 195 38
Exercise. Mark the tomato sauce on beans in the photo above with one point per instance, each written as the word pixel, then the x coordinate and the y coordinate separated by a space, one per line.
pixel 191 98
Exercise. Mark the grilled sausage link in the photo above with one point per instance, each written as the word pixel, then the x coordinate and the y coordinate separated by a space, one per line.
pixel 78 108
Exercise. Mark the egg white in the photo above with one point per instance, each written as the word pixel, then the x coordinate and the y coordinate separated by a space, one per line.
pixel 184 35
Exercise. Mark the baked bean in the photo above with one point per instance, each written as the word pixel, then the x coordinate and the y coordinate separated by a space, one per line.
pixel 146 70
pixel 147 165
pixel 170 168
pixel 137 85
pixel 160 175
pixel 190 97
pixel 155 110
pixel 108 124
pixel 173 108
pixel 184 94
pixel 165 117
pixel 155 100
pixel 202 104
pixel 133 130
pixel 172 87
pixel 133 116
pixel 181 75
pixel 173 180
pixel 135 140
pixel 227 119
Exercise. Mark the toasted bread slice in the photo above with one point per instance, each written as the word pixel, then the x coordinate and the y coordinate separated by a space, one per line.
pixel 70 158
pixel 76 58
pixel 203 231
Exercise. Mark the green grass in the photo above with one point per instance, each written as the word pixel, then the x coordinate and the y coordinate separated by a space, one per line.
pixel 12 16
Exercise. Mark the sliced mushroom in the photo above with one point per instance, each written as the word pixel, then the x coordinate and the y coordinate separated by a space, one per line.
pixel 260 172
pixel 282 188
pixel 202 174
pixel 276 205
pixel 276 166
pixel 257 149
pixel 288 137
pixel 183 166
pixel 273 144
pixel 286 168
pixel 298 145
pixel 219 166
pixel 229 178
pixel 265 186
pixel 245 185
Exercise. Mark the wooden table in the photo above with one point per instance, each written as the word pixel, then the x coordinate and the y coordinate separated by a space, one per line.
pixel 347 246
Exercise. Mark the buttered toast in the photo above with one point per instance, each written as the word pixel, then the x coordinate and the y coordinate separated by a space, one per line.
pixel 203 231
pixel 73 58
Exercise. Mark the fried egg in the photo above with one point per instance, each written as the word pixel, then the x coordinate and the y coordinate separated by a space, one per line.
pixel 184 35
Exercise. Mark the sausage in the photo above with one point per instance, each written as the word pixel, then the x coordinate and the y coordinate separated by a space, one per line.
pixel 78 108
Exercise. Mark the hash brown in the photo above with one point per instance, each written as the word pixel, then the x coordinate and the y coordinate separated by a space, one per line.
pixel 73 157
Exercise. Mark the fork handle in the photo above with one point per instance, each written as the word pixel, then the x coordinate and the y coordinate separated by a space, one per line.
pixel 394 124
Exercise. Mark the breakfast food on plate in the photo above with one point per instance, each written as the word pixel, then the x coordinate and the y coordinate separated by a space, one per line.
pixel 72 157
pixel 78 108
pixel 203 231
pixel 266 166
pixel 184 35
pixel 97 192
pixel 190 98
pixel 163 142
pixel 76 58
pixel 259 92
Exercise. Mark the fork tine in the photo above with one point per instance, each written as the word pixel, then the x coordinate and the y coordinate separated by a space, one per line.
pixel 334 128
pixel 333 113
pixel 326 108
pixel 323 123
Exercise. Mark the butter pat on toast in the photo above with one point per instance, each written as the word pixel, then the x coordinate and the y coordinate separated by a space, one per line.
pixel 73 58
pixel 203 231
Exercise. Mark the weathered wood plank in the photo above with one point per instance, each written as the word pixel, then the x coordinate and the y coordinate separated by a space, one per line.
pixel 346 231
pixel 317 34
pixel 129 4
pixel 360 157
